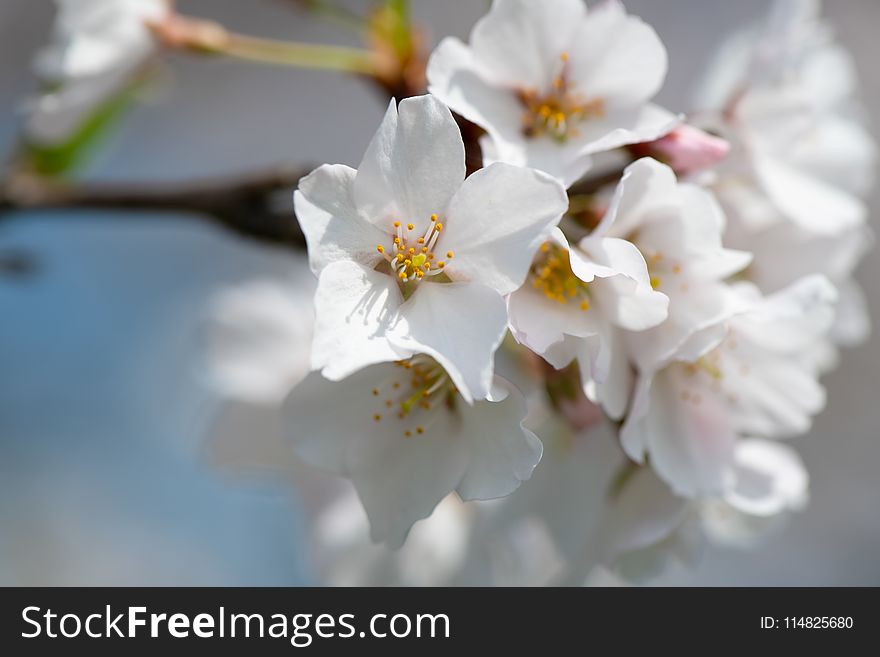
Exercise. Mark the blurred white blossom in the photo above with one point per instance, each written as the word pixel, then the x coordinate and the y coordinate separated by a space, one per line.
pixel 97 45
pixel 406 437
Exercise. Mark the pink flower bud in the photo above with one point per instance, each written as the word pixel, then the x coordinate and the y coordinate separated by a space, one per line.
pixel 686 149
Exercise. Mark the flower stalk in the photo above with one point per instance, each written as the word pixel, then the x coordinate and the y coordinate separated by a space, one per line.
pixel 185 33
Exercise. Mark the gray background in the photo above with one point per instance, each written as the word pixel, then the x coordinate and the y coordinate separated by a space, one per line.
pixel 100 413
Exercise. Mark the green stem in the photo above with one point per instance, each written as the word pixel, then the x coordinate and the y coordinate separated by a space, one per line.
pixel 301 55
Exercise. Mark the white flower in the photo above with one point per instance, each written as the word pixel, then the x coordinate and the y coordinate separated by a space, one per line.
pixel 96 46
pixel 768 480
pixel 411 257
pixel 572 302
pixel 755 380
pixel 784 95
pixel 257 337
pixel 405 437
pixel 785 252
pixel 659 265
pixel 552 85
pixel 678 228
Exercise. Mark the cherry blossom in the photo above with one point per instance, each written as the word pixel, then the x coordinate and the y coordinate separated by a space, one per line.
pixel 414 258
pixel 405 436
pixel 754 380
pixel 552 84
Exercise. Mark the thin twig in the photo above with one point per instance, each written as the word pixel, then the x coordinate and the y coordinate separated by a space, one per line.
pixel 259 206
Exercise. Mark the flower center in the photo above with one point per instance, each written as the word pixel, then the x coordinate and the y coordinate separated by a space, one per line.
pixel 662 269
pixel 551 274
pixel 557 112
pixel 412 257
pixel 413 396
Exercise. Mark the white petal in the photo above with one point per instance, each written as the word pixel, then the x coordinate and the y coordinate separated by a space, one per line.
pixel 497 221
pixel 503 453
pixel 258 338
pixel 769 478
pixel 330 222
pixel 520 41
pixel 625 297
pixel 456 78
pixel 539 322
pixel 631 126
pixel 690 443
pixel 698 312
pixel 356 319
pixel 459 324
pixel 646 185
pixel 617 58
pixel 413 165
pixel 608 377
pixel 567 162
pixel 399 479
pixel 789 320
pixel 645 513
pixel 808 201
pixel 570 160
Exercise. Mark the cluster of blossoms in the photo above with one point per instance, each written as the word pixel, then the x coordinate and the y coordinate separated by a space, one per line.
pixel 658 335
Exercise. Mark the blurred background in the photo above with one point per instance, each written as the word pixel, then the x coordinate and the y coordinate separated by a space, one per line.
pixel 103 476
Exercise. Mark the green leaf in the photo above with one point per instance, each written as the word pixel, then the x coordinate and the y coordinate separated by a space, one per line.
pixel 53 160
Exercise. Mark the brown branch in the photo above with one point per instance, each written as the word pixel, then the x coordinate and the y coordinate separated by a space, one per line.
pixel 258 206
